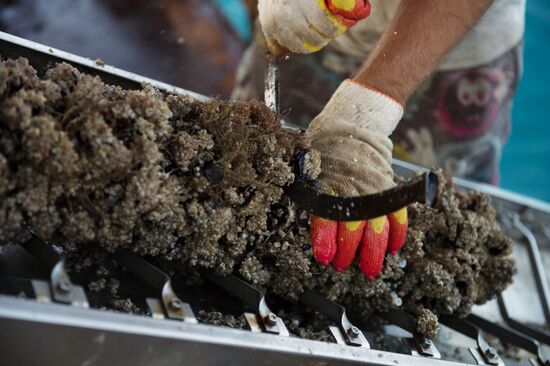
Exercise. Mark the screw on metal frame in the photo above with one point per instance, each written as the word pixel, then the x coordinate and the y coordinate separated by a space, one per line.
pixel 271 319
pixel 176 303
pixel 353 331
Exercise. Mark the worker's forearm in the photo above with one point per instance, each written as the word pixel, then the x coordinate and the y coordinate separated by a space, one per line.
pixel 416 41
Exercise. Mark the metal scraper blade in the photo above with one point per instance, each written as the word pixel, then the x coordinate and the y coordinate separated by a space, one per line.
pixel 271 94
pixel 421 189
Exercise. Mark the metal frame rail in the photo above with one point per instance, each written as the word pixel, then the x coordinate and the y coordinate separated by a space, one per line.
pixel 88 336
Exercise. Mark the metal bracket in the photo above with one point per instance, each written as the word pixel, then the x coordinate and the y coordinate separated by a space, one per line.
pixel 481 358
pixel 484 354
pixel 422 347
pixel 345 330
pixel 417 345
pixel 42 292
pixel 173 306
pixel 512 336
pixel 157 308
pixel 61 287
pixel 263 318
pixel 536 261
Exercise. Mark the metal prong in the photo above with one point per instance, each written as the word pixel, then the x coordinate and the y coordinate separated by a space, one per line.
pixel 536 262
pixel 173 306
pixel 512 221
pixel 512 336
pixel 156 307
pixel 254 299
pixel 538 334
pixel 61 286
pixel 42 292
pixel 485 354
pixel 337 313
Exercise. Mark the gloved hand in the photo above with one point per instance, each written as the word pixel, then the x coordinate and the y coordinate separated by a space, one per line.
pixel 351 134
pixel 306 26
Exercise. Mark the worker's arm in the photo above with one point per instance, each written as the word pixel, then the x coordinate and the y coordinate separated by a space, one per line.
pixel 416 41
pixel 352 132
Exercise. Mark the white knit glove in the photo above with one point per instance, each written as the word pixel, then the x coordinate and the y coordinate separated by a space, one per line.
pixel 352 136
pixel 351 133
pixel 306 26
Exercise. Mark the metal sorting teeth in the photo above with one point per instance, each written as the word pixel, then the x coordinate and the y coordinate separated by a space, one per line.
pixel 538 267
pixel 539 334
pixel 417 345
pixel 60 287
pixel 171 305
pixel 484 354
pixel 345 332
pixel 512 336
pixel 263 318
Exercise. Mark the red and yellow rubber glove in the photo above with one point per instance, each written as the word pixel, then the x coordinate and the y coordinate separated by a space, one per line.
pixel 352 136
pixel 306 26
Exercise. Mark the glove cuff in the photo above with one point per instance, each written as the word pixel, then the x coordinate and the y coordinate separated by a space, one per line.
pixel 364 107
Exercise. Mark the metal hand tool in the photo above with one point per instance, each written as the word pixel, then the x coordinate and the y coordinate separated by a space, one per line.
pixel 303 192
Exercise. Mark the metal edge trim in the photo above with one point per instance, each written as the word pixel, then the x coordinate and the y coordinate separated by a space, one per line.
pixel 38 47
pixel 31 311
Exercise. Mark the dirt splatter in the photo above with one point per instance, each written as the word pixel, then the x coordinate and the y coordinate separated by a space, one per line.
pixel 200 185
pixel 307 324
pixel 226 320
pixel 125 306
pixel 97 286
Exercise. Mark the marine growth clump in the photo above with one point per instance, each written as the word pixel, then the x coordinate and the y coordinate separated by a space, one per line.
pixel 200 185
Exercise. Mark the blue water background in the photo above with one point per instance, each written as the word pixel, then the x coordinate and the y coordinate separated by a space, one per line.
pixel 526 158
pixel 236 13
